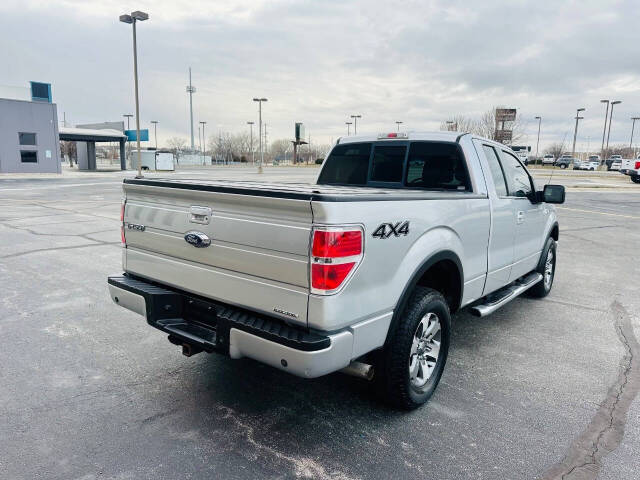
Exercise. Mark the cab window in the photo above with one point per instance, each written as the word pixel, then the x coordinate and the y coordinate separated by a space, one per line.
pixel 518 180
pixel 496 170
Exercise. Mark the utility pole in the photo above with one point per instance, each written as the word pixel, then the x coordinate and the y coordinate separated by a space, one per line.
pixel 204 142
pixel 538 141
pixel 398 123
pixel 260 100
pixel 155 131
pixel 604 131
pixel 191 90
pixel 633 126
pixel 253 159
pixel 575 131
pixel 355 123
pixel 348 124
pixel 266 145
pixel 606 150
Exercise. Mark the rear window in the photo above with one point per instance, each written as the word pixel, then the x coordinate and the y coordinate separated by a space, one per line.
pixel 438 166
pixel 347 165
pixel 428 165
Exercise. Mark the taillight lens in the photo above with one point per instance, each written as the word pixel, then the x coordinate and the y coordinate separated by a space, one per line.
pixel 327 276
pixel 637 166
pixel 122 239
pixel 334 244
pixel 335 253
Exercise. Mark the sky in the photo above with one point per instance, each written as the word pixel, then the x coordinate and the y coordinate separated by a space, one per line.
pixel 318 62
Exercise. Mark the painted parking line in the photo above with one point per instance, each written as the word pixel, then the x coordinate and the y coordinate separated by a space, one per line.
pixel 599 213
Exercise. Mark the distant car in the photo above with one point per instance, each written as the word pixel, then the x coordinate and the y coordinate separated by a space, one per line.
pixel 616 164
pixel 548 159
pixel 524 158
pixel 610 160
pixel 589 165
pixel 566 162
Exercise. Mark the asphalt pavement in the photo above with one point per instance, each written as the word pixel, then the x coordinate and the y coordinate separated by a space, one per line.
pixel 540 389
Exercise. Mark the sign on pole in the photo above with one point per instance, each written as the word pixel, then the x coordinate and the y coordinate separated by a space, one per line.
pixel 504 136
pixel 505 114
pixel 299 131
pixel 132 137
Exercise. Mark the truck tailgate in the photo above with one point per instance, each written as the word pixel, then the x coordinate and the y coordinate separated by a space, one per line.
pixel 258 256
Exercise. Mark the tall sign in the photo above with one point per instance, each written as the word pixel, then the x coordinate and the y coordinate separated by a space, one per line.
pixel 504 133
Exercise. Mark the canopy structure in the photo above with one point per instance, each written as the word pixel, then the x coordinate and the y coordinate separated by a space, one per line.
pixel 91 136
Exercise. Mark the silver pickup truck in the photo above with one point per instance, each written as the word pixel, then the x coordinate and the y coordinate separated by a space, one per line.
pixel 359 272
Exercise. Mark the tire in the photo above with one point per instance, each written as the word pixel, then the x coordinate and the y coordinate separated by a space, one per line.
pixel 563 166
pixel 635 178
pixel 397 381
pixel 548 257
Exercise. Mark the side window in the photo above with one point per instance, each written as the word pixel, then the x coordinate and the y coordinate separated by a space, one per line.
pixel 518 180
pixel 496 170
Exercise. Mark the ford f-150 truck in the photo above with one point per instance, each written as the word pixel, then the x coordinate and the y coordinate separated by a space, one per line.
pixel 359 272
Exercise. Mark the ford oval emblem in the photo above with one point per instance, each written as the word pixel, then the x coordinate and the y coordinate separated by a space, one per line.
pixel 197 239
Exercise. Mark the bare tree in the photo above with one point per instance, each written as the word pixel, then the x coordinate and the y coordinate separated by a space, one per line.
pixel 280 147
pixel 556 149
pixel 622 149
pixel 69 149
pixel 177 144
pixel 460 123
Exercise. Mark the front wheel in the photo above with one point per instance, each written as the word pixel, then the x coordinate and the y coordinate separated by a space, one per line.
pixel 546 267
pixel 563 166
pixel 410 366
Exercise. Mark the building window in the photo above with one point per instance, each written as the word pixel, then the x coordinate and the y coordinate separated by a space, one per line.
pixel 29 156
pixel 27 138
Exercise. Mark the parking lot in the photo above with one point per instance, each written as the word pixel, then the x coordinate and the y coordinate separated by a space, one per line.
pixel 540 389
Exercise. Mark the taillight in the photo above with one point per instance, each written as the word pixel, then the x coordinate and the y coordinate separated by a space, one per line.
pixel 124 241
pixel 637 166
pixel 335 253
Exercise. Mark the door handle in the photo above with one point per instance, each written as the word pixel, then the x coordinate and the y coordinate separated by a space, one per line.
pixel 520 217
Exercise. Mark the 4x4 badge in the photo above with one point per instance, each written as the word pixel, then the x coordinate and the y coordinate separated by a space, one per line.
pixel 387 229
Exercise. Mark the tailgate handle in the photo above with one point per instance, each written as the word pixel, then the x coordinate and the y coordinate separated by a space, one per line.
pixel 200 215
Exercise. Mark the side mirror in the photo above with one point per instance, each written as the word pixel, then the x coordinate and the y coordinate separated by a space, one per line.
pixel 553 194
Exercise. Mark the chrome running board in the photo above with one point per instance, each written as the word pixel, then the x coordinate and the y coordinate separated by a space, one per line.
pixel 501 297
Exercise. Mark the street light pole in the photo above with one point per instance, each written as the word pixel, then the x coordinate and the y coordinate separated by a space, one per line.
pixel 133 19
pixel 260 100
pixel 253 159
pixel 604 130
pixel 355 123
pixel 606 151
pixel 204 141
pixel 155 131
pixel 575 131
pixel 398 123
pixel 633 126
pixel 348 124
pixel 538 142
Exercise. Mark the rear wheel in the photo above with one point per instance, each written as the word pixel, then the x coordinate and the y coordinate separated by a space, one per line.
pixel 635 178
pixel 563 166
pixel 546 267
pixel 410 366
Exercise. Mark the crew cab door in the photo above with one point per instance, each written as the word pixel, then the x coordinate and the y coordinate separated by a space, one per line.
pixel 530 217
pixel 503 222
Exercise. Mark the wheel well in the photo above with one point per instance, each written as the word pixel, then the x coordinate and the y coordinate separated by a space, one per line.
pixel 444 277
pixel 555 232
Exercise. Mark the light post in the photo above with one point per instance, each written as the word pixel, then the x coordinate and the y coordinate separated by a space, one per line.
pixel 604 130
pixel 575 131
pixel 155 131
pixel 606 150
pixel 348 124
pixel 538 141
pixel 204 142
pixel 398 123
pixel 253 160
pixel 136 16
pixel 128 117
pixel 260 100
pixel 633 126
pixel 355 123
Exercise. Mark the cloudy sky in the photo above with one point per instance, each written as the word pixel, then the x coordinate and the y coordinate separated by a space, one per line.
pixel 320 61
